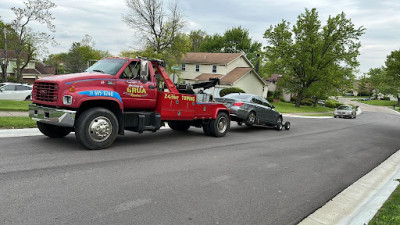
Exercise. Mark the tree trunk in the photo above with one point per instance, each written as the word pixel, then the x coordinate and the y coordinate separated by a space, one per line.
pixel 4 72
pixel 316 102
pixel 299 98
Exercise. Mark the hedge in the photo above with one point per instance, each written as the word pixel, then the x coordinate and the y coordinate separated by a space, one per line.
pixel 226 91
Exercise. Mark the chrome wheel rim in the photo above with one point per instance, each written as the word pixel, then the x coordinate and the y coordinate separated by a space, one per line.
pixel 252 118
pixel 279 124
pixel 100 129
pixel 222 124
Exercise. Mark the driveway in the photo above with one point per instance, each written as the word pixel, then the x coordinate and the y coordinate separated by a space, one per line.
pixel 366 107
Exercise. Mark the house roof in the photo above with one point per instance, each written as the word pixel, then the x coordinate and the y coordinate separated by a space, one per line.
pixel 11 54
pixel 207 76
pixel 210 58
pixel 230 78
pixel 235 75
pixel 274 77
pixel 45 69
pixel 30 71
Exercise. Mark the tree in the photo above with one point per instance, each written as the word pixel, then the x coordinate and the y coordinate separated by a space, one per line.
pixel 57 61
pixel 30 43
pixel 80 53
pixel 212 43
pixel 386 79
pixel 364 86
pixel 233 40
pixel 238 39
pixel 7 36
pixel 196 38
pixel 171 55
pixel 156 29
pixel 310 53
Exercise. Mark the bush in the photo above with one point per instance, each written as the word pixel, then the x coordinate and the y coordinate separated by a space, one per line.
pixel 332 104
pixel 226 91
pixel 386 98
pixel 307 101
pixel 270 99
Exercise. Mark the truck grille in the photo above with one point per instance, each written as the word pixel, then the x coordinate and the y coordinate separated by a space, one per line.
pixel 46 92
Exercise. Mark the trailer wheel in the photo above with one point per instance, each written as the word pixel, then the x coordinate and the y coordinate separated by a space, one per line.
pixel 53 131
pixel 287 125
pixel 96 128
pixel 220 125
pixel 179 125
pixel 279 125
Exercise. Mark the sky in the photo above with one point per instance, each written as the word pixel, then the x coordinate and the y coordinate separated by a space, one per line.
pixel 102 20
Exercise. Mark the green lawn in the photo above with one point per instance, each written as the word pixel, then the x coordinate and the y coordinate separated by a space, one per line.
pixel 8 105
pixel 390 211
pixel 287 107
pixel 380 102
pixel 16 122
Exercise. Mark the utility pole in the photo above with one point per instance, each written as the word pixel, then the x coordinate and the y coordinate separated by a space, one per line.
pixel 5 61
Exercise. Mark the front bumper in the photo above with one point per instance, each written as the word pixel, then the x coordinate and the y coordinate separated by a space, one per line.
pixel 59 117
pixel 342 114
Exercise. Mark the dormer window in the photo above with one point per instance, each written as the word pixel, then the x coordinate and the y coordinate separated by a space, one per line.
pixel 214 68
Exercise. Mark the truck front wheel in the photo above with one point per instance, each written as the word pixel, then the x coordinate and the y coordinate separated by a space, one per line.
pixel 96 128
pixel 219 126
pixel 53 131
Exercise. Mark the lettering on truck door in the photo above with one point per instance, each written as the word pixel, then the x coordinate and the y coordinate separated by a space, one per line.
pixel 136 93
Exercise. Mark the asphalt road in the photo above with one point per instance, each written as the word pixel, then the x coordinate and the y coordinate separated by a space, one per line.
pixel 251 176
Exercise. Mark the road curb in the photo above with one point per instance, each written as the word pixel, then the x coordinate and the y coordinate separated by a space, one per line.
pixel 358 203
pixel 19 132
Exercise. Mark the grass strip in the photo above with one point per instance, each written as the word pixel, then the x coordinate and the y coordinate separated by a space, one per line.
pixel 287 107
pixel 389 213
pixel 16 122
pixel 9 105
pixel 318 114
pixel 380 102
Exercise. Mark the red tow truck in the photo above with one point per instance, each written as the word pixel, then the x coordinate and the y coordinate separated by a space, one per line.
pixel 119 94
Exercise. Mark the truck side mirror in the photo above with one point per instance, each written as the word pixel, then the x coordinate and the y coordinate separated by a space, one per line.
pixel 144 71
pixel 1 89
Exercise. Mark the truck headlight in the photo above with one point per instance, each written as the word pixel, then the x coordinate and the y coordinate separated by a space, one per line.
pixel 67 99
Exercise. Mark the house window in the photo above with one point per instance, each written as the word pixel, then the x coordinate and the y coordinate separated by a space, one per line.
pixel 197 68
pixel 214 68
pixel 183 67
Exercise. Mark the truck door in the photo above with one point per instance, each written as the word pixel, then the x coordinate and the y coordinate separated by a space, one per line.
pixel 137 87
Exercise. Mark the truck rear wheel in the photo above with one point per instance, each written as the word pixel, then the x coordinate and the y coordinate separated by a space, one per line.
pixel 179 125
pixel 53 131
pixel 219 126
pixel 96 128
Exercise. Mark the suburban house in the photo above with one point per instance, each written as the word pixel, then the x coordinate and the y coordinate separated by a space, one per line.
pixel 33 71
pixel 272 83
pixel 233 70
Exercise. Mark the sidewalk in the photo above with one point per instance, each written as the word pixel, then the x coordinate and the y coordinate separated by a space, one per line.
pixel 13 114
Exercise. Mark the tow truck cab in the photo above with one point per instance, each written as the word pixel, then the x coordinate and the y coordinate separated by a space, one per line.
pixel 118 94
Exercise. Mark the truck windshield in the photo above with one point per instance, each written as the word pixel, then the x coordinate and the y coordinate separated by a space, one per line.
pixel 108 66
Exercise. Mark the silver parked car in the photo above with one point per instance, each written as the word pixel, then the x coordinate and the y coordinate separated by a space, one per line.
pixel 345 111
pixel 15 91
pixel 252 110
